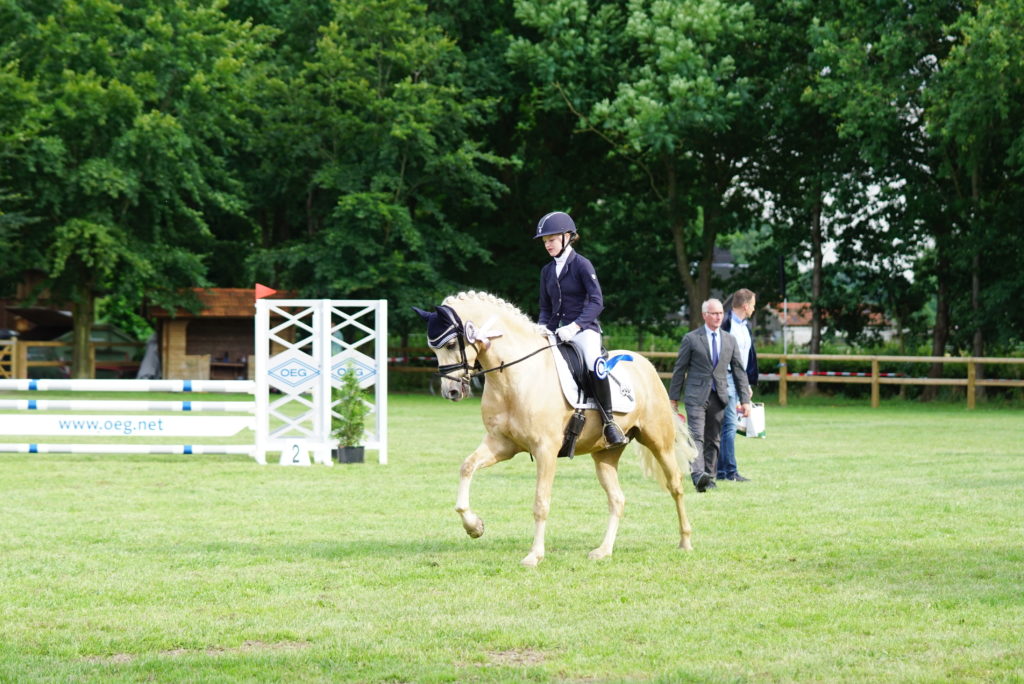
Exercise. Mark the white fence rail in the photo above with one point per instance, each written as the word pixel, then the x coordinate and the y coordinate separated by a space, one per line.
pixel 117 419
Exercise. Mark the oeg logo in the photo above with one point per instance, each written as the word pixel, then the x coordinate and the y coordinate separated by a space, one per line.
pixel 360 366
pixel 293 372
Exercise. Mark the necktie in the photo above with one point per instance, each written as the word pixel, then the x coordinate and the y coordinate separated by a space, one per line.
pixel 714 360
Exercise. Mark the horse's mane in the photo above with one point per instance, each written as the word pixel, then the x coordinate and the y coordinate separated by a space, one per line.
pixel 493 300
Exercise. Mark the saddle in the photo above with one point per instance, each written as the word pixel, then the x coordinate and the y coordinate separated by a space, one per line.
pixel 573 377
pixel 577 367
pixel 576 379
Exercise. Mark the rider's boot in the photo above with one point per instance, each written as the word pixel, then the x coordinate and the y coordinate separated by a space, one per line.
pixel 603 397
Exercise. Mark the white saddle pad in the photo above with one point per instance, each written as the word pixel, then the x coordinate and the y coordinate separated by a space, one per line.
pixel 621 383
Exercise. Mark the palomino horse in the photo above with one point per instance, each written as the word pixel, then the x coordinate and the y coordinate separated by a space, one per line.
pixel 523 409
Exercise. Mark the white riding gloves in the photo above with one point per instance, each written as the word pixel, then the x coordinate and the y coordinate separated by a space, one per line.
pixel 567 332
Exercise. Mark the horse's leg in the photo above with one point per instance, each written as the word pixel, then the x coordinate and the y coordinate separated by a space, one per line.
pixel 675 488
pixel 541 504
pixel 664 450
pixel 491 451
pixel 674 484
pixel 607 465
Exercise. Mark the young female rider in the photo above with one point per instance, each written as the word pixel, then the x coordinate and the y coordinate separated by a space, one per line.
pixel 570 301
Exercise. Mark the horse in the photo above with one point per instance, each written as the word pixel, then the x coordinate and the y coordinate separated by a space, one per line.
pixel 524 410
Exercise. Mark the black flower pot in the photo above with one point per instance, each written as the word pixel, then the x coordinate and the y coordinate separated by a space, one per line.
pixel 349 454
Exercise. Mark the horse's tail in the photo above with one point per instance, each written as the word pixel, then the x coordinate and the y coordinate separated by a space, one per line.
pixel 683 447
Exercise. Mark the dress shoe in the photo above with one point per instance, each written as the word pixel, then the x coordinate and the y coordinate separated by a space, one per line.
pixel 739 478
pixel 704 482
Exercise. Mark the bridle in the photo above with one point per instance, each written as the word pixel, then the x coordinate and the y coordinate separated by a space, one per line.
pixel 455 327
pixel 469 333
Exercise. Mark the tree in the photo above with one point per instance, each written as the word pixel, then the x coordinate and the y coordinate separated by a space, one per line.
pixel 18 125
pixel 872 66
pixel 931 94
pixel 657 82
pixel 385 140
pixel 136 108
pixel 975 114
pixel 803 173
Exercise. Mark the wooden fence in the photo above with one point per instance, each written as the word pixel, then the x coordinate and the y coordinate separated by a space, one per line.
pixel 16 357
pixel 14 363
pixel 876 377
pixel 7 348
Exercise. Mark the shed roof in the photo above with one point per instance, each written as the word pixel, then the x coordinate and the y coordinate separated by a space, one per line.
pixel 217 302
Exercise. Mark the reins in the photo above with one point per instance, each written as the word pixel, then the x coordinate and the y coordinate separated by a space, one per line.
pixel 472 373
pixel 466 333
pixel 504 365
pixel 459 329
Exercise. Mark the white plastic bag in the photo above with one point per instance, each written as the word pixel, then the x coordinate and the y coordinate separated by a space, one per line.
pixel 754 423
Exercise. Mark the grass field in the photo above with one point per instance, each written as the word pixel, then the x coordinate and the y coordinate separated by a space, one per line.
pixel 871 546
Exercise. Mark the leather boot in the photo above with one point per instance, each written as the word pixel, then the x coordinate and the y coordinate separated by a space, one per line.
pixel 603 397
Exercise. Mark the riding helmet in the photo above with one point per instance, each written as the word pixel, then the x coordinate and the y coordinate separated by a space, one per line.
pixel 555 223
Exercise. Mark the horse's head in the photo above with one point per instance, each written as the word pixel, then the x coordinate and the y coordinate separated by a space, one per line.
pixel 455 345
pixel 460 332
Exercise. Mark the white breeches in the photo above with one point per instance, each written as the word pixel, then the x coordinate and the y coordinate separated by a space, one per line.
pixel 589 342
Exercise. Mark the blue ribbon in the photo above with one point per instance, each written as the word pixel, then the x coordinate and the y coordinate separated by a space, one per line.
pixel 602 367
pixel 618 357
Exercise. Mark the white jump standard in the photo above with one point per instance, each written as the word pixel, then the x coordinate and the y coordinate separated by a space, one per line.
pixel 303 348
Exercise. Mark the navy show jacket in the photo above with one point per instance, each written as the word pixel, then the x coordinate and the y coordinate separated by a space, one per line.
pixel 573 297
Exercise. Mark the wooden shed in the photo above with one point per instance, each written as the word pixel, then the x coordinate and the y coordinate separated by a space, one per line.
pixel 214 344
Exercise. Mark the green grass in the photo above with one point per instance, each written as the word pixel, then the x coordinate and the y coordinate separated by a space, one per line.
pixel 872 545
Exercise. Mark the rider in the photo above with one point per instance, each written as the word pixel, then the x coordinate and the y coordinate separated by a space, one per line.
pixel 570 301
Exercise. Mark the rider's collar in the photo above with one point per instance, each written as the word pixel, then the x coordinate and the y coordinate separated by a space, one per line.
pixel 562 258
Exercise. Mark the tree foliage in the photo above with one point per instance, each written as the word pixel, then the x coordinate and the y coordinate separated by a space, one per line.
pixel 124 152
pixel 389 156
pixel 402 149
pixel 658 83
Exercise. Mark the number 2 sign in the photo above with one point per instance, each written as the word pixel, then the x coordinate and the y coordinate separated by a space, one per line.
pixel 295 454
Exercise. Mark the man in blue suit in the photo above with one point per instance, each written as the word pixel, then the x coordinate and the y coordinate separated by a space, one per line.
pixel 705 358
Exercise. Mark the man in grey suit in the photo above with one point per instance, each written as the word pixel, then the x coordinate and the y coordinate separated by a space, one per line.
pixel 705 357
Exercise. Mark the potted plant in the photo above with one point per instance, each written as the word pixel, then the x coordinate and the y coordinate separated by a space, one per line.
pixel 350 421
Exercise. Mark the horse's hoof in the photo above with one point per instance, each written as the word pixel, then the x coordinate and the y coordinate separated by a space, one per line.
pixel 685 545
pixel 598 554
pixel 531 560
pixel 474 528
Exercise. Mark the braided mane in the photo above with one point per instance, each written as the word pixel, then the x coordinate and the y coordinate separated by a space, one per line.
pixel 492 300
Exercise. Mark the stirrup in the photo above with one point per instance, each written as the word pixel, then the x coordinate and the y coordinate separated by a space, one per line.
pixel 613 434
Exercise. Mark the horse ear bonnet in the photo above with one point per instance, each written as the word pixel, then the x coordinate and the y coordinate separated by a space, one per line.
pixel 442 325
